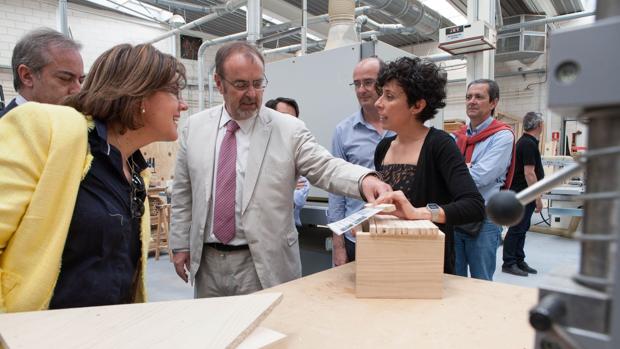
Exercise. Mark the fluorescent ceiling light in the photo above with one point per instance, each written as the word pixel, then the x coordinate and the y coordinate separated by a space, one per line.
pixel 445 9
pixel 135 8
pixel 588 5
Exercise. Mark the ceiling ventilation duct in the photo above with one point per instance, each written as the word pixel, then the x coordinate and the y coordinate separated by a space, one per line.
pixel 341 24
pixel 411 14
pixel 523 44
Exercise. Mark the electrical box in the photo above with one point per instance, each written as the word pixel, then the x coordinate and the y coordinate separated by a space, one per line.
pixel 467 38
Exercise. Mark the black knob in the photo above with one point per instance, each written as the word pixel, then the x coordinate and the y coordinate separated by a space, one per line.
pixel 504 208
pixel 550 309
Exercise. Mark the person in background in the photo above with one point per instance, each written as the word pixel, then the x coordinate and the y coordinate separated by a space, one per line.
pixel 528 170
pixel 73 228
pixel 284 105
pixel 236 172
pixel 488 147
pixel 355 139
pixel 47 67
pixel 423 164
pixel 289 106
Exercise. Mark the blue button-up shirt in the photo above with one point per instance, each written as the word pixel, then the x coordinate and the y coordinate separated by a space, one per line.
pixel 490 159
pixel 355 141
pixel 299 199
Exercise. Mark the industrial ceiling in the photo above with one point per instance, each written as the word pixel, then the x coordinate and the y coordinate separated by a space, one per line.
pixel 235 22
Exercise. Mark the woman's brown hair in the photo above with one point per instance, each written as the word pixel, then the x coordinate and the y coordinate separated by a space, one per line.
pixel 121 77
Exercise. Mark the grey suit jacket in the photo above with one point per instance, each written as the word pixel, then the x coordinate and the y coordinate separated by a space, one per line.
pixel 281 149
pixel 8 108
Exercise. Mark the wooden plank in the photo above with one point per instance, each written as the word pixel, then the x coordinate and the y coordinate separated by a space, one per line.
pixel 451 126
pixel 563 232
pixel 322 311
pixel 261 337
pixel 198 323
pixel 385 207
pixel 390 225
pixel 164 154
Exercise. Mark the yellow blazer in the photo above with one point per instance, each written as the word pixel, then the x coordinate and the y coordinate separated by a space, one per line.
pixel 44 156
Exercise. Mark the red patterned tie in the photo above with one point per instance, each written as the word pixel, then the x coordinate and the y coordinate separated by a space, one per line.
pixel 226 186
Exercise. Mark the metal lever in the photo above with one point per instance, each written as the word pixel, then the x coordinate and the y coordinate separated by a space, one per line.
pixel 550 309
pixel 506 207
pixel 544 318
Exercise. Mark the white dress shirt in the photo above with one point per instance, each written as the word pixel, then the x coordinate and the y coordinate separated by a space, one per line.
pixel 243 136
pixel 19 99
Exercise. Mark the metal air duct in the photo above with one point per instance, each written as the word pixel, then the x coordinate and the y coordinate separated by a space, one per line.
pixel 410 13
pixel 342 24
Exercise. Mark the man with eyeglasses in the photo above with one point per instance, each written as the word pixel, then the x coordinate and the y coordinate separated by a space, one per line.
pixel 232 198
pixel 355 140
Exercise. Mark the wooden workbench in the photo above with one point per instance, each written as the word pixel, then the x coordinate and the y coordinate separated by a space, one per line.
pixel 321 311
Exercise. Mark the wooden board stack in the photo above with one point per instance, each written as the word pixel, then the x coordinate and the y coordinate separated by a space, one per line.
pixel 399 259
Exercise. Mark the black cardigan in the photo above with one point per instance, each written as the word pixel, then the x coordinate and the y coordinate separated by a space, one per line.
pixel 442 178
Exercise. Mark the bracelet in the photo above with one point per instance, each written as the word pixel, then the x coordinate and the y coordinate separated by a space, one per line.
pixel 177 250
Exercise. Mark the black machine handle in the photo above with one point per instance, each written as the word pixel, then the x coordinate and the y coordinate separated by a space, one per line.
pixel 506 207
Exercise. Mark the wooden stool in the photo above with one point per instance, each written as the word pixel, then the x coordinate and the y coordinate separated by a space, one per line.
pixel 160 218
pixel 399 259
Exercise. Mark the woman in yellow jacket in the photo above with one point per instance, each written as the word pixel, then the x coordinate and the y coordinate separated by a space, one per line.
pixel 72 184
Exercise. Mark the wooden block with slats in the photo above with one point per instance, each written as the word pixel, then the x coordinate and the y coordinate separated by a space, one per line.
pixel 399 259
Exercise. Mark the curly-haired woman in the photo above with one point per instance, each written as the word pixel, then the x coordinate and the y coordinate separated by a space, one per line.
pixel 423 164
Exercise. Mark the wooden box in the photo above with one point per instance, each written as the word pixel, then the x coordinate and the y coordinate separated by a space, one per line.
pixel 399 259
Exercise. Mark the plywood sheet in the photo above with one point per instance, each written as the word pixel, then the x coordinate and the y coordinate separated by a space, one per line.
pixel 164 156
pixel 322 311
pixel 261 337
pixel 198 323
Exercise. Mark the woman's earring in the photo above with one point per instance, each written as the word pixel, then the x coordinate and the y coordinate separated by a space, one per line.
pixel 143 110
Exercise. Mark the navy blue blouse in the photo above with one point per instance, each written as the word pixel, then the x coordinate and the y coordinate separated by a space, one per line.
pixel 101 257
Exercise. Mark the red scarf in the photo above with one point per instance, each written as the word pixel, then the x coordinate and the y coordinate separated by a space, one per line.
pixel 467 144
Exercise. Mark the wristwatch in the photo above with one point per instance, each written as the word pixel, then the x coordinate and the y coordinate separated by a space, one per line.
pixel 434 208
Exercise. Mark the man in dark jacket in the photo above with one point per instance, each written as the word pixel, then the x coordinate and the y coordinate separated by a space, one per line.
pixel 47 67
pixel 528 170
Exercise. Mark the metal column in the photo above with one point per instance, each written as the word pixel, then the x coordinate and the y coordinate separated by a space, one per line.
pixel 586 313
pixel 481 65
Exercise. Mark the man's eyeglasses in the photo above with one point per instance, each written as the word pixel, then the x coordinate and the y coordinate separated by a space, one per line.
pixel 367 83
pixel 138 194
pixel 244 85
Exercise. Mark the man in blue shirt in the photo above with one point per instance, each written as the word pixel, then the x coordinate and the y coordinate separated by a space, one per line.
pixel 355 140
pixel 489 160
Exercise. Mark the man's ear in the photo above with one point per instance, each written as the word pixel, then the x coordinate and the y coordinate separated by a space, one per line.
pixel 218 83
pixel 26 76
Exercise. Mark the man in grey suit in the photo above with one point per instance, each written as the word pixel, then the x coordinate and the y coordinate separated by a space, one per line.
pixel 47 67
pixel 241 238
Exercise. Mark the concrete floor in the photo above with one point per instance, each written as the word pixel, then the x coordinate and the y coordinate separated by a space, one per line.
pixel 546 253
